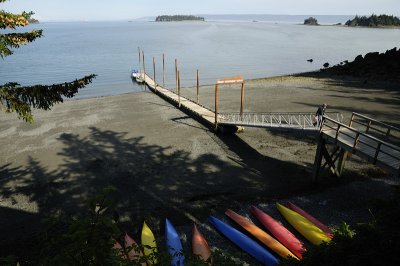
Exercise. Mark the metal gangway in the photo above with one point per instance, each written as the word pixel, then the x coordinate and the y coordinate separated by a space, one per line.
pixel 290 120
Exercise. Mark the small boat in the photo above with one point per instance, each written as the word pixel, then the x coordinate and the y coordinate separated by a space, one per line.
pixel 244 242
pixel 134 73
pixel 289 240
pixel 261 235
pixel 312 219
pixel 134 253
pixel 311 232
pixel 149 244
pixel 174 245
pixel 199 245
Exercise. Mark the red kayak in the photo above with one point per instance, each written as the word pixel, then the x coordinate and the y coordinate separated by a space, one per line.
pixel 280 232
pixel 312 219
pixel 261 235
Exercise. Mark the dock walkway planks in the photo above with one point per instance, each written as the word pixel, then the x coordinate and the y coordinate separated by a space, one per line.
pixel 204 114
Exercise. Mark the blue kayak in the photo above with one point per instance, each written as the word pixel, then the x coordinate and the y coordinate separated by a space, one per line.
pixel 244 242
pixel 174 245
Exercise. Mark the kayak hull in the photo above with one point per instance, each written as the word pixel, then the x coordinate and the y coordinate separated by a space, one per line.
pixel 311 232
pixel 284 236
pixel 311 218
pixel 174 245
pixel 261 235
pixel 199 244
pixel 149 243
pixel 244 242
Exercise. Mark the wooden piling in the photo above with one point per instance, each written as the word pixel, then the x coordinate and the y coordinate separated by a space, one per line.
pixel 163 70
pixel 179 89
pixel 154 74
pixel 242 99
pixel 216 105
pixel 198 82
pixel 176 75
pixel 144 68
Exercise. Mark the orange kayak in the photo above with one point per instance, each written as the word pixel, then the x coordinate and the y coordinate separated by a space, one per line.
pixel 261 235
pixel 199 244
pixel 284 236
pixel 312 219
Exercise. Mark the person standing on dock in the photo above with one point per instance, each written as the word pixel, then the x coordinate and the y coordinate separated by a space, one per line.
pixel 319 115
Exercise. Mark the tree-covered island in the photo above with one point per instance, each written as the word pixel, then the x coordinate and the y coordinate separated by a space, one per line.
pixel 179 18
pixel 311 21
pixel 374 21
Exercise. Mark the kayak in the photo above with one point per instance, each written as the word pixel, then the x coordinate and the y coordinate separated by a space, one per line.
pixel 261 235
pixel 244 242
pixel 134 253
pixel 311 232
pixel 311 218
pixel 174 245
pixel 289 240
pixel 199 245
pixel 149 244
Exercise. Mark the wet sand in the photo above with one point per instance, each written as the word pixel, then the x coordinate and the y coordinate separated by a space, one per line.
pixel 165 164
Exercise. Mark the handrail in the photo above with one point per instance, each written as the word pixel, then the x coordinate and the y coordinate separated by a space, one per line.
pixel 357 139
pixel 370 120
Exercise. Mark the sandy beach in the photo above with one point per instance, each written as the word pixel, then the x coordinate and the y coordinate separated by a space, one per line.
pixel 165 164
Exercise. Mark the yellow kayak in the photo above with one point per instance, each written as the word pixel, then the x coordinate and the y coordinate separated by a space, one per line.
pixel 149 243
pixel 303 226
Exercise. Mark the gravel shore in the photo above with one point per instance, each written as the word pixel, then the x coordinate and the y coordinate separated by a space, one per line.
pixel 165 164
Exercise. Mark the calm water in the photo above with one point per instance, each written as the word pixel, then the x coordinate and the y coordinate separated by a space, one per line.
pixel 217 48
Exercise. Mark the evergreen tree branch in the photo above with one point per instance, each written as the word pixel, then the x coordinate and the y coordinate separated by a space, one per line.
pixel 14 98
pixel 14 40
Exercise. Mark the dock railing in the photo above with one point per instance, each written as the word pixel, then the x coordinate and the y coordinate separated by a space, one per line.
pixel 375 128
pixel 370 147
pixel 298 120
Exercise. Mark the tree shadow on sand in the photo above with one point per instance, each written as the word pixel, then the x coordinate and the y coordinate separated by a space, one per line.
pixel 152 182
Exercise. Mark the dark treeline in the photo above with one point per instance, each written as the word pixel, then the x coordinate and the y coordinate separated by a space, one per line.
pixel 178 18
pixel 374 21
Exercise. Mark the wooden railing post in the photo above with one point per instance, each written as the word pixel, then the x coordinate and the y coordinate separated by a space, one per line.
pixel 356 141
pixel 368 126
pixel 377 152
pixel 351 120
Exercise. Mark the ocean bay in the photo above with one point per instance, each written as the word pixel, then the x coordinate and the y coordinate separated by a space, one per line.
pixel 218 49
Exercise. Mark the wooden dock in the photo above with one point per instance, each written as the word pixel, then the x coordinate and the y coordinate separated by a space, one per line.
pixel 202 113
pixel 349 140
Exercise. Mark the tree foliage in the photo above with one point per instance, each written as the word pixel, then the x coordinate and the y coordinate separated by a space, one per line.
pixel 311 21
pixel 178 18
pixel 374 21
pixel 20 99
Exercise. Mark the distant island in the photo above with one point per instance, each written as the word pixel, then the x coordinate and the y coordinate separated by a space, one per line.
pixel 311 21
pixel 374 21
pixel 179 18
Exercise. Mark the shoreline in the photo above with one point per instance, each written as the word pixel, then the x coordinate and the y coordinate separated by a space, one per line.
pixel 165 164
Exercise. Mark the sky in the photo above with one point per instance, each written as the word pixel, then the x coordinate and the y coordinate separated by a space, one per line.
pixel 88 10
